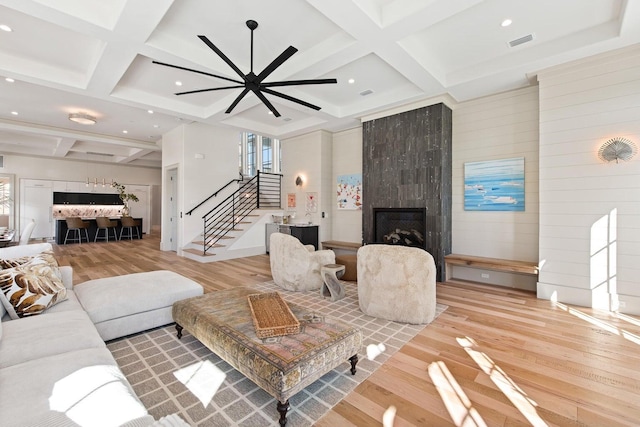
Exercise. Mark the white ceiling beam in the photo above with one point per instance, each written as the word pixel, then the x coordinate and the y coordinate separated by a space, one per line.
pixel 84 136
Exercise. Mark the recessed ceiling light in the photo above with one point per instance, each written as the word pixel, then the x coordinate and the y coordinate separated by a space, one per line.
pixel 125 131
pixel 178 83
pixel 82 118
pixel 270 112
pixel 156 126
pixel 6 28
pixel 14 113
pixel 352 81
pixel 506 22
pixel 150 111
pixel 10 80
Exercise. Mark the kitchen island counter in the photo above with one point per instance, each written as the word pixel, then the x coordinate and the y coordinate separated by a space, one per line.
pixel 61 228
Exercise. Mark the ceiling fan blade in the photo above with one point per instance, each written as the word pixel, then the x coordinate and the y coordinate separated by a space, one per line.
pixel 238 99
pixel 300 82
pixel 211 89
pixel 196 71
pixel 266 102
pixel 290 98
pixel 222 55
pixel 276 63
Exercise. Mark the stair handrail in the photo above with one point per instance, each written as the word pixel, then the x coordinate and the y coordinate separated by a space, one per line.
pixel 215 194
pixel 221 219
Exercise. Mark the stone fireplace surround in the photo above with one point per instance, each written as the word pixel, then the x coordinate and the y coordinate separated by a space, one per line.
pixel 406 163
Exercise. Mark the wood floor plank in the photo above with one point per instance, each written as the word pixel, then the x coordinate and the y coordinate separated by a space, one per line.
pixel 576 365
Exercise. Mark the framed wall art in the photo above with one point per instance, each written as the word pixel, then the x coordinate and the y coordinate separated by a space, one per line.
pixel 312 202
pixel 349 191
pixel 494 185
pixel 291 200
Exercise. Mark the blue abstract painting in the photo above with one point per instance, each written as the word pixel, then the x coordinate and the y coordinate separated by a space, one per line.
pixel 495 185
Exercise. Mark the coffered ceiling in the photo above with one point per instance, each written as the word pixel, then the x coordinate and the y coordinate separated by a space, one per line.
pixel 95 57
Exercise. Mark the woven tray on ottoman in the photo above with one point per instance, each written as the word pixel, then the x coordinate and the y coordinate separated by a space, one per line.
pixel 272 316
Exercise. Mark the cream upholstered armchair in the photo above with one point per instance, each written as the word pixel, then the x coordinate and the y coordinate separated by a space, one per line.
pixel 397 283
pixel 294 266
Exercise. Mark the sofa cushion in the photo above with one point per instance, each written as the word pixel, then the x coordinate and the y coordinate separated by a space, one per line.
pixel 41 336
pixel 31 288
pixel 80 388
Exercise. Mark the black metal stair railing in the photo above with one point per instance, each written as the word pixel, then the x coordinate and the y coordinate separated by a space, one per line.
pixel 262 191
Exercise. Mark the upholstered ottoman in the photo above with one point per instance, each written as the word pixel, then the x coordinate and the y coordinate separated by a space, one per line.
pixel 350 262
pixel 281 366
pixel 124 305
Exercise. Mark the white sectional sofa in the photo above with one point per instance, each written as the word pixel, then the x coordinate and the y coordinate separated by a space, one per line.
pixel 55 369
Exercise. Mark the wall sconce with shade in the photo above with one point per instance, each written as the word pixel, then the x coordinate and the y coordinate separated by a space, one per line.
pixel 299 181
pixel 617 149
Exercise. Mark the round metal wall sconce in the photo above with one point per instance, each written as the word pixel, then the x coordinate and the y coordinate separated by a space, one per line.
pixel 617 149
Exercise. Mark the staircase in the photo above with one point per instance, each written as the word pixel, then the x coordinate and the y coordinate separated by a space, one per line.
pixel 235 227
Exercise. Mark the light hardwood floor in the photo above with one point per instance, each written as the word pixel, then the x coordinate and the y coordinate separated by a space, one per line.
pixel 495 357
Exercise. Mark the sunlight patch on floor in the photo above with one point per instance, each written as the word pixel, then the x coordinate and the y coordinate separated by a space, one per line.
pixel 203 379
pixel 600 323
pixel 458 404
pixel 515 394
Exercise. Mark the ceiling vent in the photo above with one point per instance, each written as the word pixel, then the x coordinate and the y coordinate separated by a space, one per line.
pixel 366 92
pixel 521 40
pixel 94 153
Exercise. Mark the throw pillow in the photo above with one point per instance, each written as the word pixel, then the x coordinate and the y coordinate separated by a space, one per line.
pixel 31 288
pixel 14 262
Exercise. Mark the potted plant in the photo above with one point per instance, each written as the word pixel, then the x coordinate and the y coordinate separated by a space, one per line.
pixel 125 197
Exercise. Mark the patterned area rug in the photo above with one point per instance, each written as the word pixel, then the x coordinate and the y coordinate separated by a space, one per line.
pixel 184 377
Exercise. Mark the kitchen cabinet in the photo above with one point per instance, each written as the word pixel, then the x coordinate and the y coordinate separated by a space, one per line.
pixel 71 198
pixel 141 209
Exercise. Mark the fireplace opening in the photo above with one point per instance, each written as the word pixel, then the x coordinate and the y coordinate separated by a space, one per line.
pixel 400 226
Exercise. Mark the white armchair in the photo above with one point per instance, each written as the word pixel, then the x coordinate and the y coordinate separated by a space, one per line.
pixel 397 283
pixel 294 266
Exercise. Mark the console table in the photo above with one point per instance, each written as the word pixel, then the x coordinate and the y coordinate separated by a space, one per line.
pixel 307 234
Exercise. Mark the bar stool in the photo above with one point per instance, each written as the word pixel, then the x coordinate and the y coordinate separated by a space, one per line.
pixel 130 225
pixel 76 225
pixel 105 224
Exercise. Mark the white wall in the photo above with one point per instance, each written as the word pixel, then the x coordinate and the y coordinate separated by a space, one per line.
pixel 309 156
pixel 346 160
pixel 501 126
pixel 590 210
pixel 206 158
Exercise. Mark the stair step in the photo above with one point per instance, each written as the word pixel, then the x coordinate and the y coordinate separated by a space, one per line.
pixel 198 252
pixel 201 243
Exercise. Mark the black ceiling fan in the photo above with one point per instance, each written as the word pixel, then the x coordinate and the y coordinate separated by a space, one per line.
pixel 252 82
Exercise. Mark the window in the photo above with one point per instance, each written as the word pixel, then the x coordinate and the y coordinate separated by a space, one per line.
pixel 258 153
pixel 5 196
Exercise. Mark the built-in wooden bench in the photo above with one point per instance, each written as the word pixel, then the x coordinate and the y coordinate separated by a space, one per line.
pixel 337 244
pixel 496 264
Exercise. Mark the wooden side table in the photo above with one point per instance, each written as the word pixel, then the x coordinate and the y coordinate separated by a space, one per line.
pixel 332 287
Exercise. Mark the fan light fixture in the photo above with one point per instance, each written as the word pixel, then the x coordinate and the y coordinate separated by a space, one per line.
pixel 251 82
pixel 82 118
pixel 617 149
